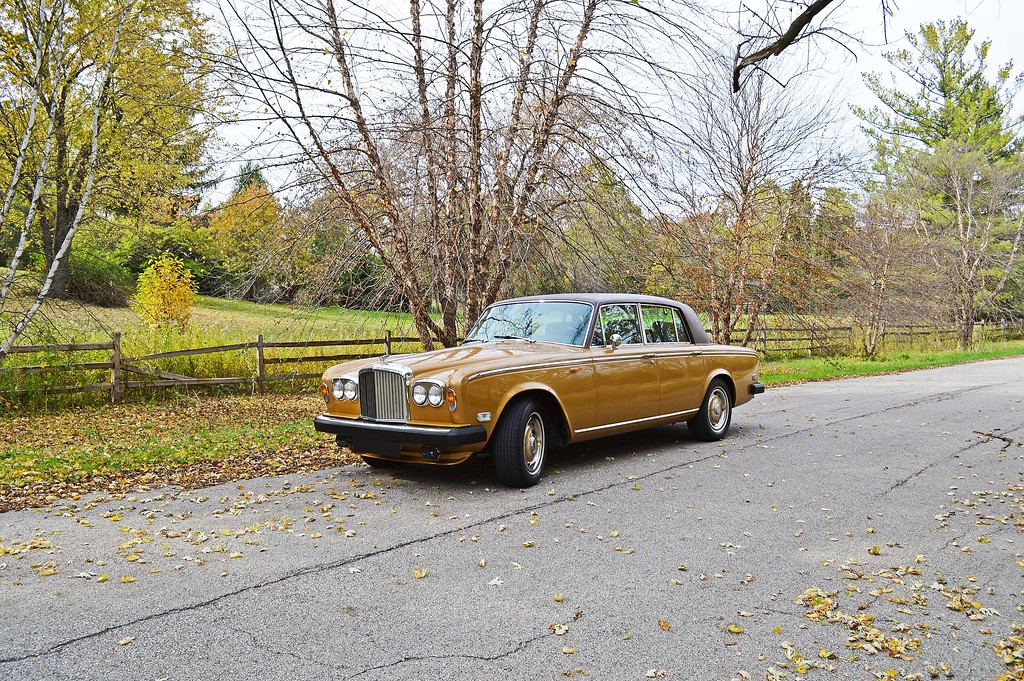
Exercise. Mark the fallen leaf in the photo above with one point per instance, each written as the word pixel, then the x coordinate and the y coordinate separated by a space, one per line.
pixel 558 598
pixel 126 640
pixel 419 573
pixel 734 629
pixel 127 579
pixel 568 651
pixel 664 625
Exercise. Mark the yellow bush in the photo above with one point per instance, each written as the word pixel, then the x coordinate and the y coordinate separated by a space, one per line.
pixel 166 293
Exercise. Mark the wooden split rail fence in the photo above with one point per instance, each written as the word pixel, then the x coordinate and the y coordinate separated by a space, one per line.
pixel 132 373
pixel 121 367
pixel 816 341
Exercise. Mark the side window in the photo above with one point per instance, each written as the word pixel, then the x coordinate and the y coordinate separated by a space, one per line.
pixel 620 319
pixel 659 324
pixel 663 324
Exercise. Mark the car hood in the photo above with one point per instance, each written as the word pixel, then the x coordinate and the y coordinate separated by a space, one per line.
pixel 452 365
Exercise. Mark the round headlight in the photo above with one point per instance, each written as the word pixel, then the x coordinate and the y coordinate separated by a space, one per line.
pixel 338 389
pixel 351 390
pixel 419 394
pixel 435 395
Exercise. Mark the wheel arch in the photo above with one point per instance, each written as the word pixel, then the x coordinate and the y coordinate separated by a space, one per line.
pixel 553 409
pixel 726 378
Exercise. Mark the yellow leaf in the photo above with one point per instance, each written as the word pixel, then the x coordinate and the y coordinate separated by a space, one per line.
pixel 777 630
pixel 614 534
pixel 734 629
pixel 875 550
pixel 127 579
pixel 568 651
pixel 558 598
pixel 419 573
pixel 132 558
pixel 236 554
pixel 102 578
pixel 126 640
pixel 664 625
pixel 482 563
pixel 529 544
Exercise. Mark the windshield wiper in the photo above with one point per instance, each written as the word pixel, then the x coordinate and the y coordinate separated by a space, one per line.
pixel 519 338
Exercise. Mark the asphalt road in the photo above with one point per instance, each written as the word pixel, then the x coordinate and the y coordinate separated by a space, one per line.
pixel 897 498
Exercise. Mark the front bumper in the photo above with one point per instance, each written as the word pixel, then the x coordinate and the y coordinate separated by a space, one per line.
pixel 433 436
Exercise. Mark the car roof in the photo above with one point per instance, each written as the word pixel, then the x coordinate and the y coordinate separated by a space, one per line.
pixel 697 332
pixel 596 298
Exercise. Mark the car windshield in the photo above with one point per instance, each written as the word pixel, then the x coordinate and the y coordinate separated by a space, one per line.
pixel 547 321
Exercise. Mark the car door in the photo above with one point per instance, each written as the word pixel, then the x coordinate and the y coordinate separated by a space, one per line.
pixel 680 363
pixel 626 377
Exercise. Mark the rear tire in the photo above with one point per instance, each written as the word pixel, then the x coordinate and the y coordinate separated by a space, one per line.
pixel 520 443
pixel 712 421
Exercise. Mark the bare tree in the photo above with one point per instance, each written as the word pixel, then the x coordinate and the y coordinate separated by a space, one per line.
pixel 771 29
pixel 441 133
pixel 748 164
pixel 879 254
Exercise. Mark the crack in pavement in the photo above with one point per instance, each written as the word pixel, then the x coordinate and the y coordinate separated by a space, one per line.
pixel 938 397
pixel 1009 441
pixel 931 465
pixel 337 564
pixel 456 656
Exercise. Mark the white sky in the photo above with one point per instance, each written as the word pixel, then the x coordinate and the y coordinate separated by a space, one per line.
pixel 1001 21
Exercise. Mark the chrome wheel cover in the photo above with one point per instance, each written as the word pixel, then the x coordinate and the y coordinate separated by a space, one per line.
pixel 718 409
pixel 533 443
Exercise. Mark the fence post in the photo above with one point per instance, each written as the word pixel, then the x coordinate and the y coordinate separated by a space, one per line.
pixel 260 367
pixel 115 368
pixel 387 343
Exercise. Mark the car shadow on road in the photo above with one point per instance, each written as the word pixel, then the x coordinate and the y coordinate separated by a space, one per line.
pixel 574 459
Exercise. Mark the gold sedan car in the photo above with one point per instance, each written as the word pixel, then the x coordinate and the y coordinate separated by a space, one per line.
pixel 536 373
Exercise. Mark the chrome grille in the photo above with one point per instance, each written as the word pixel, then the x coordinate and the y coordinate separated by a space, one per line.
pixel 382 392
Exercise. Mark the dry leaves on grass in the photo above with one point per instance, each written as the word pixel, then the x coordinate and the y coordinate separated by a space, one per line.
pixel 192 442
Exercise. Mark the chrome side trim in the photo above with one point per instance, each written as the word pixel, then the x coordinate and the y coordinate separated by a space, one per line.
pixel 635 421
pixel 527 367
pixel 570 362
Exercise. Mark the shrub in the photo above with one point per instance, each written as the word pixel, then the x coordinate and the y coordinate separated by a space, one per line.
pixel 166 293
pixel 97 280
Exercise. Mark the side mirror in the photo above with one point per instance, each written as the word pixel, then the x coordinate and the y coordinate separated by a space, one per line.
pixel 616 340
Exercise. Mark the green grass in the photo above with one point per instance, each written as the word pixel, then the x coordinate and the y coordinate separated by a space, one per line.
pixel 781 371
pixel 215 322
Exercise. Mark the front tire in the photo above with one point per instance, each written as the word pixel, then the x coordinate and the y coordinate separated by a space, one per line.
pixel 520 444
pixel 712 421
